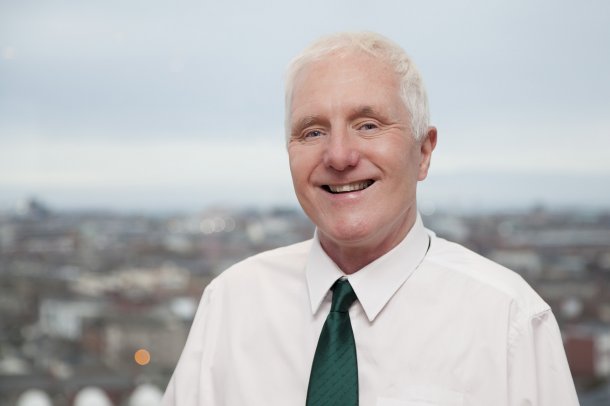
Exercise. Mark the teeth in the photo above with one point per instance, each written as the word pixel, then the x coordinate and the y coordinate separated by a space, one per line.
pixel 351 187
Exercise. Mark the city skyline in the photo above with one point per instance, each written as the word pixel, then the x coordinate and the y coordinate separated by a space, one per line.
pixel 175 106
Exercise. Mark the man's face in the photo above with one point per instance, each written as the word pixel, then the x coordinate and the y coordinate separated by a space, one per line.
pixel 353 159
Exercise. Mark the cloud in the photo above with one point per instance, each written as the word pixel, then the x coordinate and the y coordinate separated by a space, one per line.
pixel 177 172
pixel 95 86
pixel 8 53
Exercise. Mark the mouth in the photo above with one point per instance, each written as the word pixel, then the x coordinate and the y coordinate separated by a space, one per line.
pixel 349 187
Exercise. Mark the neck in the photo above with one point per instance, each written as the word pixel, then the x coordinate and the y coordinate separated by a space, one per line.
pixel 352 256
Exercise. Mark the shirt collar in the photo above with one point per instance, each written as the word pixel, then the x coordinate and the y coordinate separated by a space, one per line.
pixel 377 282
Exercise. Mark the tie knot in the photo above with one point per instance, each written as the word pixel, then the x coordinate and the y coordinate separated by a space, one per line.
pixel 343 296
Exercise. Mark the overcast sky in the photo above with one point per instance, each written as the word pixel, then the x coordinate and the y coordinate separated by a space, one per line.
pixel 179 104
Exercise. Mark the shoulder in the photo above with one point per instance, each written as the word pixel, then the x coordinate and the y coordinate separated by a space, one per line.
pixel 488 276
pixel 273 265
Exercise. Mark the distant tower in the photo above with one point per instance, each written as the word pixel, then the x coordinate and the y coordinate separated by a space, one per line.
pixel 34 397
pixel 33 208
pixel 146 395
pixel 91 396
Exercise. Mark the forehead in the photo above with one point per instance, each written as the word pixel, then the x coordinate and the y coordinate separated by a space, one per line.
pixel 347 79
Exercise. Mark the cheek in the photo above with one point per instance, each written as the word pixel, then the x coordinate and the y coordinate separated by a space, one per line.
pixel 395 148
pixel 302 161
pixel 405 171
pixel 299 169
pixel 293 162
pixel 399 161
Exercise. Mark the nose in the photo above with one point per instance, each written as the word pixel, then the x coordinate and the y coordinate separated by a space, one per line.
pixel 341 150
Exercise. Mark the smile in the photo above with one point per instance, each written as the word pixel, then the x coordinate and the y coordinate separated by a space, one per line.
pixel 350 187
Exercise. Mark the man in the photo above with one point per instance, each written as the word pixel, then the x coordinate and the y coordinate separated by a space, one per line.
pixel 375 310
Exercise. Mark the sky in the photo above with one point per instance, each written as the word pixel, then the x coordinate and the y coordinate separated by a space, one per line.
pixel 175 105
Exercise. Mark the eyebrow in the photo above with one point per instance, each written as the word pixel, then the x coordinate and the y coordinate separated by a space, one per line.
pixel 365 111
pixel 304 122
pixel 368 111
pixel 359 111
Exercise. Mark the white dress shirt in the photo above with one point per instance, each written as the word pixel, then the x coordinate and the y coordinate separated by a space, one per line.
pixel 434 324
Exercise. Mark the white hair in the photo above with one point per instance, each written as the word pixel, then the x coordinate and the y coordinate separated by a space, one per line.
pixel 412 90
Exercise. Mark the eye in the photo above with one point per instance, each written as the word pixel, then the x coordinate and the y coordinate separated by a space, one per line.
pixel 368 126
pixel 312 134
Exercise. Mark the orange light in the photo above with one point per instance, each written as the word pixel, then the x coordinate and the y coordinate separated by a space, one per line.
pixel 142 357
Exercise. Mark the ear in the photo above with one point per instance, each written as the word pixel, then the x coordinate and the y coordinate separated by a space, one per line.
pixel 427 145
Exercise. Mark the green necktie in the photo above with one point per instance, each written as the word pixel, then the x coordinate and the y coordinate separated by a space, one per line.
pixel 334 372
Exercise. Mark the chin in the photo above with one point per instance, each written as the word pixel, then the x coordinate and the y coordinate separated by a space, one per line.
pixel 347 233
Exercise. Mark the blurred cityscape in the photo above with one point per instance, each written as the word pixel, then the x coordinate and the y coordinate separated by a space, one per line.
pixel 95 307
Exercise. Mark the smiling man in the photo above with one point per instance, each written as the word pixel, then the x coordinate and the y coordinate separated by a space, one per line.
pixel 354 157
pixel 375 309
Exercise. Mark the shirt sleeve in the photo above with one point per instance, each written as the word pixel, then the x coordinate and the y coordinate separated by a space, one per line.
pixel 538 371
pixel 191 383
